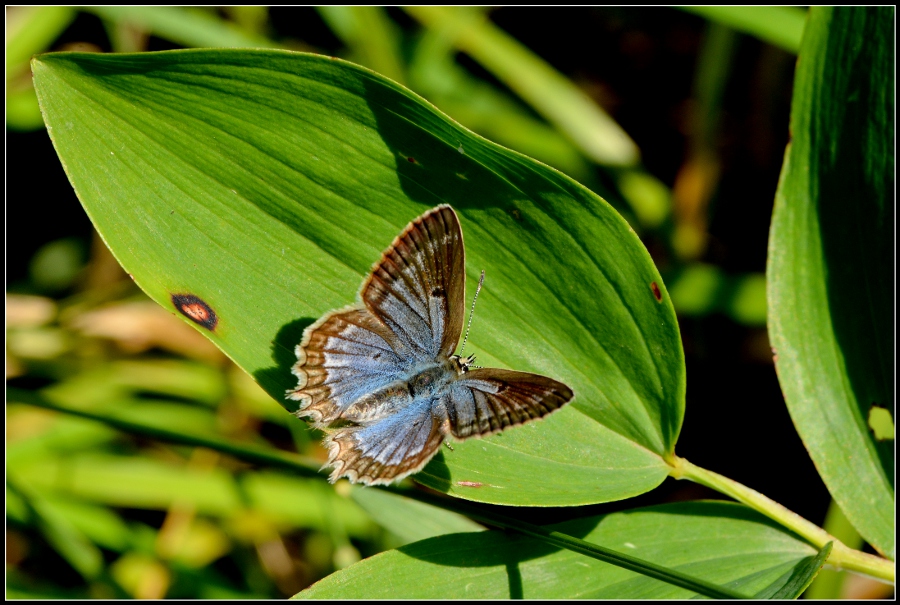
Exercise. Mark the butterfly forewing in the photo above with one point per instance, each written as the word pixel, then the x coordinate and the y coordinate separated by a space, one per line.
pixel 418 287
pixel 488 400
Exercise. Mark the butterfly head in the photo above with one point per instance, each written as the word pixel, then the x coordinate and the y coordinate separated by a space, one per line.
pixel 462 364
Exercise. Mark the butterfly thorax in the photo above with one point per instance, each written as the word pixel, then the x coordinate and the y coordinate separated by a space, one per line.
pixel 426 380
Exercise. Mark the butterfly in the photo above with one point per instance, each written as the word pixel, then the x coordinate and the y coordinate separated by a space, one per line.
pixel 381 377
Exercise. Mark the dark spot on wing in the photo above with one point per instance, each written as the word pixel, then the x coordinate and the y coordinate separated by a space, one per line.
pixel 656 292
pixel 437 291
pixel 196 309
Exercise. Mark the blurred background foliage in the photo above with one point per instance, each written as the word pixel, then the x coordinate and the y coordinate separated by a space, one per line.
pixel 676 117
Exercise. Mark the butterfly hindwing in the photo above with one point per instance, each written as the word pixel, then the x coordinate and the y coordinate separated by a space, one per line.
pixel 418 287
pixel 342 357
pixel 389 449
pixel 486 400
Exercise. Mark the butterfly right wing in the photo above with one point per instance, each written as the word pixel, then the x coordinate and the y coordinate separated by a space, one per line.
pixel 390 448
pixel 487 400
pixel 344 356
pixel 417 289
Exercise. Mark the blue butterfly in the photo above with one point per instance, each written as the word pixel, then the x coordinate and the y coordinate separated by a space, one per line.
pixel 381 377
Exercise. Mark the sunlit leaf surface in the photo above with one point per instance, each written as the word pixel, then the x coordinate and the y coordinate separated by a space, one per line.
pixel 266 183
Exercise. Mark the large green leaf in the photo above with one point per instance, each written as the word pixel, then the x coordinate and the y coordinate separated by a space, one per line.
pixel 267 183
pixel 831 268
pixel 720 542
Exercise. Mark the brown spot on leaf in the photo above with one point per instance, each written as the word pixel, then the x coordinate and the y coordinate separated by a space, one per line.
pixel 469 484
pixel 196 309
pixel 656 292
pixel 411 160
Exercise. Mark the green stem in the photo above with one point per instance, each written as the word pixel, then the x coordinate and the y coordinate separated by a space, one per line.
pixel 841 557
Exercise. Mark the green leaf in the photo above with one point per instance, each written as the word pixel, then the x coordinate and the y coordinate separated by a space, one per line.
pixel 370 35
pixel 723 543
pixel 829 583
pixel 59 531
pixel 792 584
pixel 188 26
pixel 267 183
pixel 483 108
pixel 101 525
pixel 831 260
pixel 410 520
pixel 145 483
pixel 699 289
pixel 30 30
pixel 780 26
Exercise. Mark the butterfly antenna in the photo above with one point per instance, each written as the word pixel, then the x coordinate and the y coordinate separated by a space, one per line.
pixel 472 313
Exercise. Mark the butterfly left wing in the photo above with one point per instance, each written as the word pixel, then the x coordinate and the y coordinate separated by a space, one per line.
pixel 417 289
pixel 389 449
pixel 344 356
pixel 487 400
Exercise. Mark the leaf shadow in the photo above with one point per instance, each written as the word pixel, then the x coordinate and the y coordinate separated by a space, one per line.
pixel 277 379
pixel 492 549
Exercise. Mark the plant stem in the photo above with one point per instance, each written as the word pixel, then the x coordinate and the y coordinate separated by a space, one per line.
pixel 841 557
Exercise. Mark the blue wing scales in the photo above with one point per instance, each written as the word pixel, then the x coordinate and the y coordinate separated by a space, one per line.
pixel 344 356
pixel 391 448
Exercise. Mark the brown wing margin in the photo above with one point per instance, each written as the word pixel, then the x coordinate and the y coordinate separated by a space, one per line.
pixel 343 356
pixel 488 400
pixel 390 449
pixel 418 287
